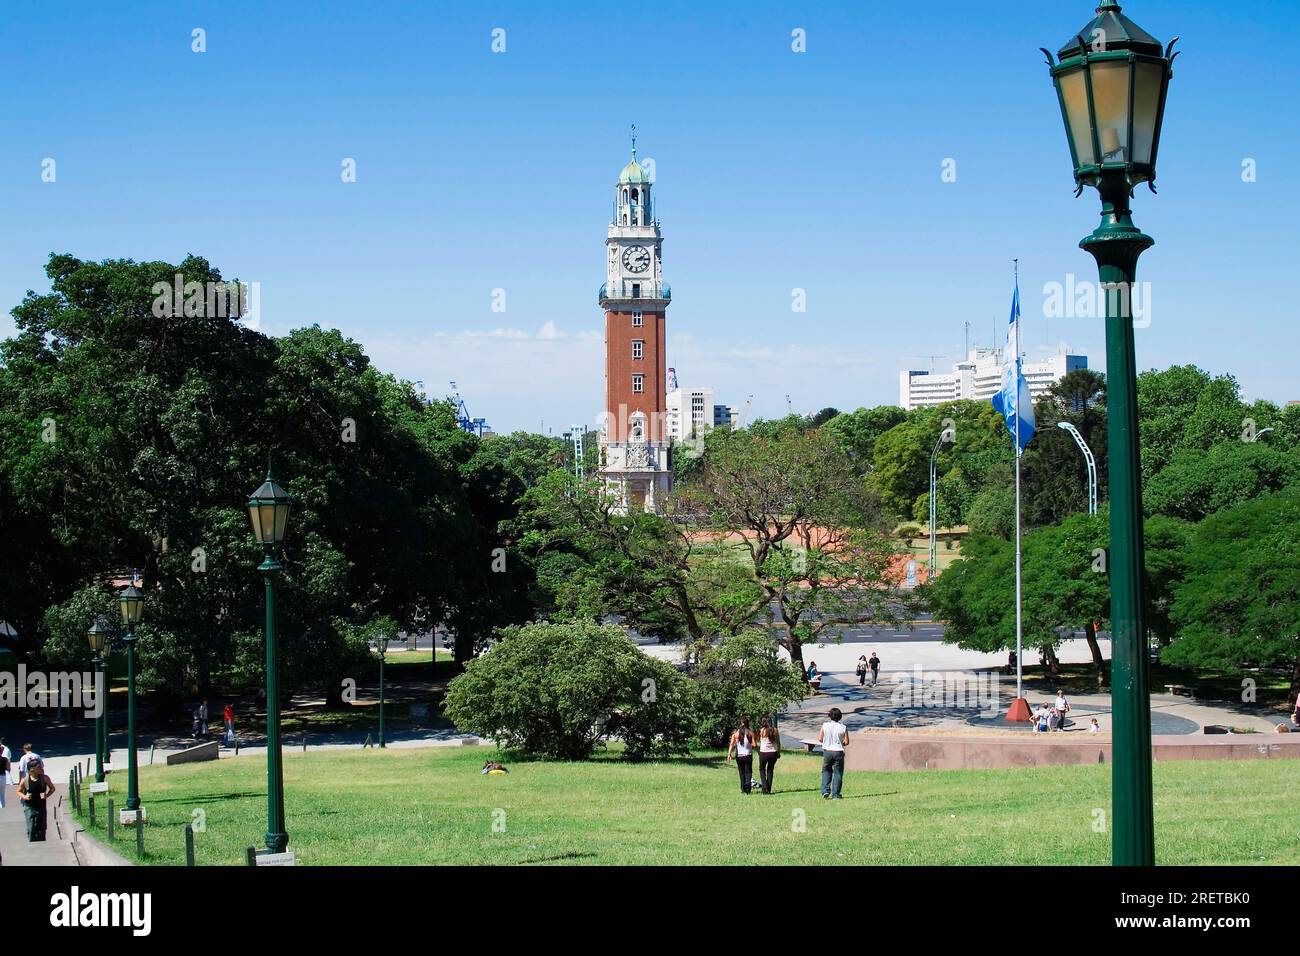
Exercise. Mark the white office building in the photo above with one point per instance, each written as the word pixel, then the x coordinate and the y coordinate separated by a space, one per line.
pixel 688 412
pixel 979 377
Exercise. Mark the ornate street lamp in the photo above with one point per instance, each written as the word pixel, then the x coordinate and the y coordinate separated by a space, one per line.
pixel 131 602
pixel 381 644
pixel 99 635
pixel 268 510
pixel 1111 79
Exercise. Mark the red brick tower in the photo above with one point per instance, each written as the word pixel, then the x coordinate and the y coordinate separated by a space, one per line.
pixel 634 443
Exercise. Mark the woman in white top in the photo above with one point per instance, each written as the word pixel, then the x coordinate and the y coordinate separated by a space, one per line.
pixel 742 744
pixel 769 752
pixel 1062 708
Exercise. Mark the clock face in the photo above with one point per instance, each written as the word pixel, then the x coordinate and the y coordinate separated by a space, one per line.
pixel 636 259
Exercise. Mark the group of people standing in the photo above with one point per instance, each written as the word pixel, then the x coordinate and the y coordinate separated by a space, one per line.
pixel 34 789
pixel 1051 718
pixel 833 737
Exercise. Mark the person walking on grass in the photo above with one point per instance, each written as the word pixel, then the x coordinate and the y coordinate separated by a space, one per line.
pixel 862 670
pixel 742 744
pixel 769 752
pixel 833 737
pixel 34 791
pixel 874 664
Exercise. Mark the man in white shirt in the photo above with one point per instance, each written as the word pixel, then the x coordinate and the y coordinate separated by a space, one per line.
pixel 833 737
pixel 27 757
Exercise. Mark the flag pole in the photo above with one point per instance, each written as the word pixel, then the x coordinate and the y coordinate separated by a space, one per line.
pixel 1019 641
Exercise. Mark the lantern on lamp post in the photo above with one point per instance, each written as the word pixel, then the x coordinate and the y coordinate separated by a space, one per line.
pixel 268 510
pixel 1111 80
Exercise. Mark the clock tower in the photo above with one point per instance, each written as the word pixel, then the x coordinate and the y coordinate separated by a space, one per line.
pixel 633 438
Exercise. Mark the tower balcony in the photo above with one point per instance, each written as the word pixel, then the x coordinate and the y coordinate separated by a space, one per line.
pixel 630 291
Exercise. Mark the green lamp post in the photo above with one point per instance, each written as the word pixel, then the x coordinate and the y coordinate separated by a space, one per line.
pixel 268 509
pixel 381 645
pixel 98 636
pixel 1111 79
pixel 131 601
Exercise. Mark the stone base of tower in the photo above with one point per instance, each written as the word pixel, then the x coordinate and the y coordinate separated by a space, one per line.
pixel 637 476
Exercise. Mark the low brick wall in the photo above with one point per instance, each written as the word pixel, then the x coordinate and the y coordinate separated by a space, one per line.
pixel 891 751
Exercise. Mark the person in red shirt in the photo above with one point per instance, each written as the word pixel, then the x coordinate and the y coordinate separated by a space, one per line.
pixel 228 715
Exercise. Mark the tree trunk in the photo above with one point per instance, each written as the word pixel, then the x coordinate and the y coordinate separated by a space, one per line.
pixel 333 695
pixel 1053 665
pixel 1090 634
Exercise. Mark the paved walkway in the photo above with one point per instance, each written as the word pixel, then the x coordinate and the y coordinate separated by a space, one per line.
pixel 14 848
pixel 883 707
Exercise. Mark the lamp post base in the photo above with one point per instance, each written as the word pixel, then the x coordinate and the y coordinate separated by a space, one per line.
pixel 1018 712
pixel 277 842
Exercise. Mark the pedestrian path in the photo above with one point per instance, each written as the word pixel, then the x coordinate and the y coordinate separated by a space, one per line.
pixel 866 708
pixel 16 851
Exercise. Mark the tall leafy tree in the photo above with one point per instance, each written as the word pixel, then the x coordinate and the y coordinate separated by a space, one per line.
pixel 1238 603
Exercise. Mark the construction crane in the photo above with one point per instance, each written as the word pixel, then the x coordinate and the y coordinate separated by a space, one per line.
pixel 475 426
pixel 579 466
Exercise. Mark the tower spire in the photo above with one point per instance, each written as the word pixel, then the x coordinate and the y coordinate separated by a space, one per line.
pixel 634 140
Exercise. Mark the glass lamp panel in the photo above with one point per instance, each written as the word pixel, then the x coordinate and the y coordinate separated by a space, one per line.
pixel 1110 79
pixel 281 520
pixel 1074 94
pixel 266 521
pixel 1148 78
pixel 255 519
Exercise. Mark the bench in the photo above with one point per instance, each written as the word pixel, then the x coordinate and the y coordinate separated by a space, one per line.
pixel 811 745
pixel 1180 689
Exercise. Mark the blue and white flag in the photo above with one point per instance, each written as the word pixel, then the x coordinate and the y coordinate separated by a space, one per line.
pixel 1014 402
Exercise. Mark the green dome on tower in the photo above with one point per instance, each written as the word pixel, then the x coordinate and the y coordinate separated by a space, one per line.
pixel 633 173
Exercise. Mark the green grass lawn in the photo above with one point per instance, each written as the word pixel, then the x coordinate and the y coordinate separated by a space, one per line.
pixel 432 806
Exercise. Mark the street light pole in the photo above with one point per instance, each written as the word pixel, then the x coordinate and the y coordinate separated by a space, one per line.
pixel 1111 82
pixel 268 510
pixel 1088 459
pixel 102 702
pixel 98 637
pixel 277 836
pixel 944 436
pixel 382 644
pixel 131 601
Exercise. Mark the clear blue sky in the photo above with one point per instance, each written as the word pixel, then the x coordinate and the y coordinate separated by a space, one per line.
pixel 775 171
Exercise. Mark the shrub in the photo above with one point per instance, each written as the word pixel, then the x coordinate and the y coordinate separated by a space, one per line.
pixel 742 676
pixel 555 689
